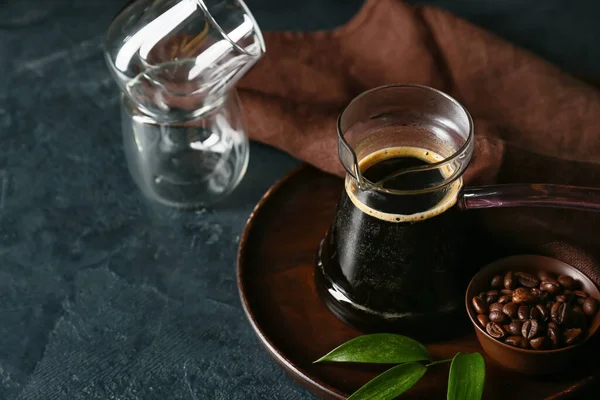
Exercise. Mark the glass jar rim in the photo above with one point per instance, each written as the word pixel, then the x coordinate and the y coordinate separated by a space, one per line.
pixel 248 13
pixel 465 150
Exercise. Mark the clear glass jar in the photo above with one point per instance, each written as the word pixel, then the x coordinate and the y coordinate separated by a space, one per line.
pixel 177 63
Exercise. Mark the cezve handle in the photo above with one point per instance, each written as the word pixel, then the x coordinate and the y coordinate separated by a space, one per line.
pixel 530 195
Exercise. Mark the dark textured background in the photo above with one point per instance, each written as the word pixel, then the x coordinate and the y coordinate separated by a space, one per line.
pixel 105 296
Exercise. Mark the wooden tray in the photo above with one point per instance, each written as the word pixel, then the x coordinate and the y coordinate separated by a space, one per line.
pixel 275 279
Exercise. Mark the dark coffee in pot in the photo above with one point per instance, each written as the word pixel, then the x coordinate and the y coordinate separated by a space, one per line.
pixel 383 164
pixel 393 262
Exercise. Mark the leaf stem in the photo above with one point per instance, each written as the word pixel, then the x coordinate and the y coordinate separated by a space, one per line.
pixel 438 362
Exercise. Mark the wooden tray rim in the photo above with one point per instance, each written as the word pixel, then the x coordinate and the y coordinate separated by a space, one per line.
pixel 296 372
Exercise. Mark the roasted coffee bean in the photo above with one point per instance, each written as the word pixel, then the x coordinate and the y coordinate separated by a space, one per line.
pixel 545 275
pixel 509 280
pixel 514 328
pixel 530 329
pixel 544 313
pixel 523 312
pixel 565 298
pixel 561 298
pixel 567 282
pixel 491 299
pixel 499 317
pixel 572 336
pixel 535 313
pixel 549 305
pixel 523 295
pixel 480 305
pixel 555 311
pixel 517 341
pixel 553 324
pixel 483 319
pixel 580 293
pixel 590 306
pixel 568 292
pixel 560 312
pixel 505 299
pixel 506 292
pixel 511 309
pixel 539 343
pixel 551 286
pixel 554 335
pixel 540 294
pixel 497 282
pixel 579 296
pixel 495 330
pixel 496 307
pixel 492 296
pixel 527 280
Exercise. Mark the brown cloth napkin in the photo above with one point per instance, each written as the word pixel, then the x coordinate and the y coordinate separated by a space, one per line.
pixel 533 122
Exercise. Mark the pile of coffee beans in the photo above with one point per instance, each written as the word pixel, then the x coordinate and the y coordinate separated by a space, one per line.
pixel 538 312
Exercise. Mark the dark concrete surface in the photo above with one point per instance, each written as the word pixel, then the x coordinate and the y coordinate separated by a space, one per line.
pixel 106 296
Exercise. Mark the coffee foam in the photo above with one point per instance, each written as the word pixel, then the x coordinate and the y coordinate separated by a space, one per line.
pixel 423 154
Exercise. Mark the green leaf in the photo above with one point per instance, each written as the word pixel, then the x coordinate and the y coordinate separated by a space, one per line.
pixel 392 383
pixel 467 377
pixel 378 348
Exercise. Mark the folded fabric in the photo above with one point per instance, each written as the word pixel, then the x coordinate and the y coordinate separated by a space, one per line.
pixel 533 122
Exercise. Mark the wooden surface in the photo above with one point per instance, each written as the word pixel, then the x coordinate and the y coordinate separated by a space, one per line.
pixel 275 279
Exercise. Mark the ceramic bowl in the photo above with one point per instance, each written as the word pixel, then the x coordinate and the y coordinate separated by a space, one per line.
pixel 533 362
